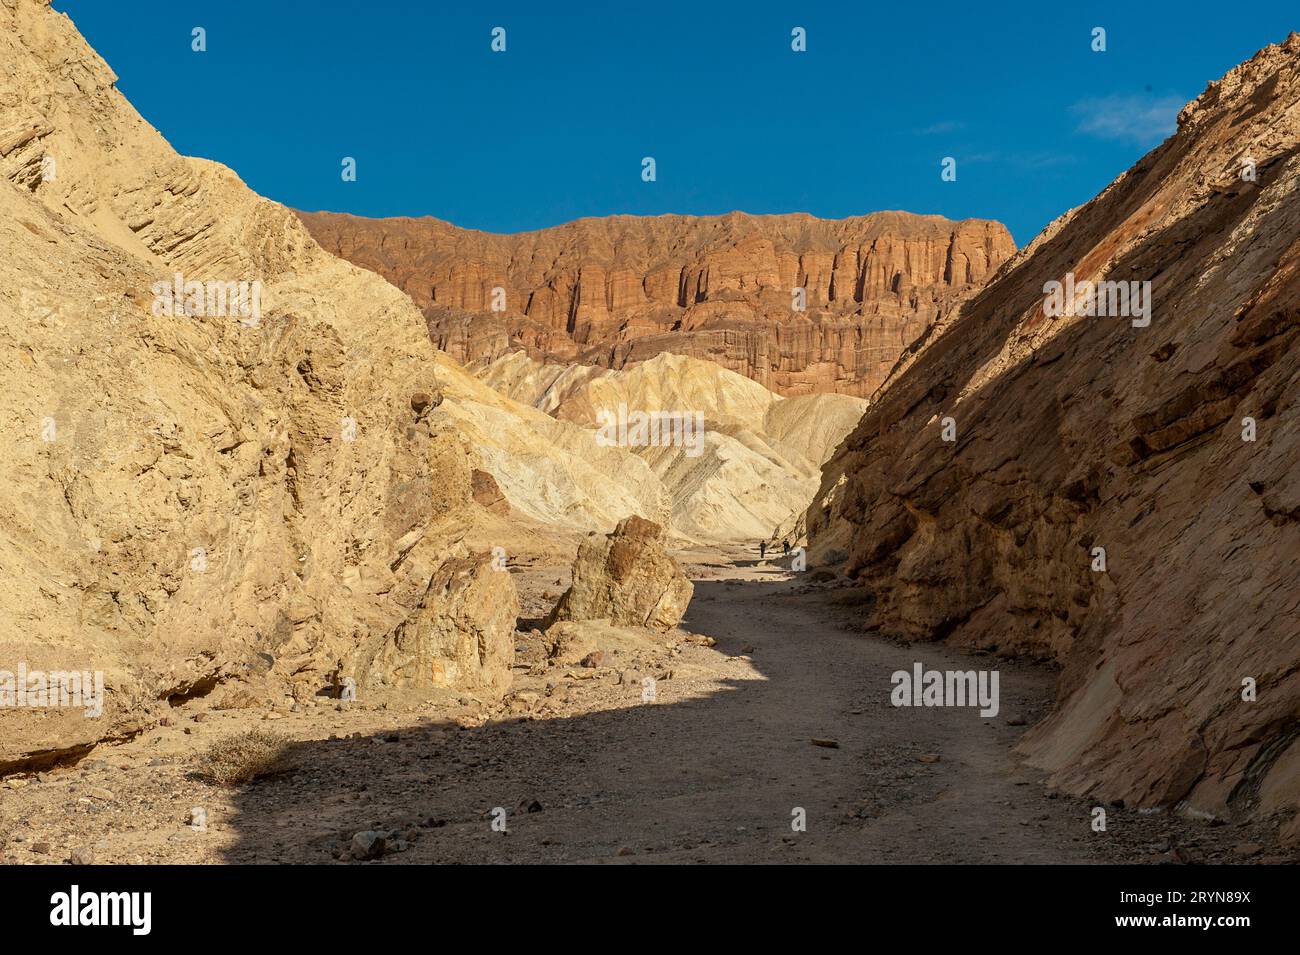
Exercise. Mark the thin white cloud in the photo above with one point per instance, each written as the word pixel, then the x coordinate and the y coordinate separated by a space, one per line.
pixel 937 129
pixel 1019 160
pixel 1139 118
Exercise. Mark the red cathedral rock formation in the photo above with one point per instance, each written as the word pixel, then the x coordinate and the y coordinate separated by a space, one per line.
pixel 623 289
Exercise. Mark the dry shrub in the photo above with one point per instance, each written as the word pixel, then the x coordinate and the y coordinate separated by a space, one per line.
pixel 245 756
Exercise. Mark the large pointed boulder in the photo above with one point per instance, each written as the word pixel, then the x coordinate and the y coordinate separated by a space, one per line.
pixel 626 577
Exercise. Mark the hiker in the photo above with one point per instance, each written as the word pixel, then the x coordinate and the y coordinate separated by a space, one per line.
pixel 785 547
pixel 762 550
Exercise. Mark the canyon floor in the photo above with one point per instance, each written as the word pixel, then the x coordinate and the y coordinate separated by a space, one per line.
pixel 711 771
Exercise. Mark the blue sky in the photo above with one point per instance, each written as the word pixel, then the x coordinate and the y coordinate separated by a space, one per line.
pixel 556 127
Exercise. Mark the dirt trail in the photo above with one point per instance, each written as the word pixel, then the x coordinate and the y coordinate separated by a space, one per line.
pixel 711 771
pixel 716 775
pixel 721 785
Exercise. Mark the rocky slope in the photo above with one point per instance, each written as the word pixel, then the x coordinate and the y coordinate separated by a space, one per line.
pixel 757 461
pixel 619 290
pixel 267 501
pixel 1075 433
pixel 547 470
pixel 281 500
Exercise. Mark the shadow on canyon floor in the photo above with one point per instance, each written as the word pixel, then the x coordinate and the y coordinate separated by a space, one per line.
pixel 798 725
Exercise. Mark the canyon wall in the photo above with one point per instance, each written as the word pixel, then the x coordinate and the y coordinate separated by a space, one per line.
pixel 979 491
pixel 253 499
pixel 197 498
pixel 615 291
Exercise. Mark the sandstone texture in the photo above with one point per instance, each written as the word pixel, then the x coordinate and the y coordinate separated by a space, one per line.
pixel 627 579
pixel 273 502
pixel 1077 433
pixel 620 290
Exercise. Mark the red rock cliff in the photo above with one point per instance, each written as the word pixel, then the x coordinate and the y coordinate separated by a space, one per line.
pixel 623 289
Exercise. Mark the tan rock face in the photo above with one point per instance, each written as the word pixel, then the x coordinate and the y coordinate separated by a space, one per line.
pixel 623 289
pixel 753 468
pixel 461 635
pixel 626 578
pixel 214 499
pixel 1077 433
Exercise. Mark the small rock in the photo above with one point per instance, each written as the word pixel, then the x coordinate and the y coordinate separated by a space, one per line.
pixel 928 758
pixel 369 845
pixel 1247 849
pixel 828 743
pixel 98 792
pixel 593 659
pixel 82 855
pixel 624 851
pixel 41 848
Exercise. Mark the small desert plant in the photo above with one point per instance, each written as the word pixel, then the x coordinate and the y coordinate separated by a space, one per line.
pixel 243 757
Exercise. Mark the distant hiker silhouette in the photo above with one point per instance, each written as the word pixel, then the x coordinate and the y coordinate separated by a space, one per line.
pixel 762 550
pixel 785 547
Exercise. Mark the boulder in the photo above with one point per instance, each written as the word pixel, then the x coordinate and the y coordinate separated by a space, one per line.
pixel 627 578
pixel 459 635
pixel 487 493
